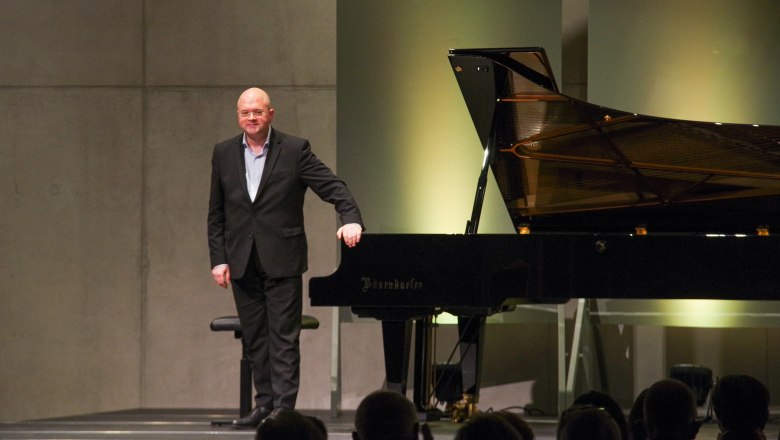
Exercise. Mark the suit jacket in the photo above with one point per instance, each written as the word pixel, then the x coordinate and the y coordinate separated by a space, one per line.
pixel 273 223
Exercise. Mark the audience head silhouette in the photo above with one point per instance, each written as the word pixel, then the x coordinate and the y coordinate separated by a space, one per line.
pixel 741 405
pixel 605 401
pixel 670 411
pixel 385 415
pixel 517 422
pixel 636 418
pixel 587 422
pixel 291 425
pixel 487 426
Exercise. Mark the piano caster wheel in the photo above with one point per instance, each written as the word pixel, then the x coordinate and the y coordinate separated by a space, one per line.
pixel 463 409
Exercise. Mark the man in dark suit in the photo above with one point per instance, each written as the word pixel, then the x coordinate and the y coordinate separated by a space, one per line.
pixel 257 242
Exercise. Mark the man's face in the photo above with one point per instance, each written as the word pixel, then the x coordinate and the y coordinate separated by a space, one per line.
pixel 254 114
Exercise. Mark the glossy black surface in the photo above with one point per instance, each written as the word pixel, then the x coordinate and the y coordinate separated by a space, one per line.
pixel 425 273
pixel 479 274
pixel 566 165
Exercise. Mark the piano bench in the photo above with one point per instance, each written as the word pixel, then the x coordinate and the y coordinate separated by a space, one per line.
pixel 231 324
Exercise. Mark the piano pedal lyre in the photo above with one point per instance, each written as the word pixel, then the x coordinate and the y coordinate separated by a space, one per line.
pixel 463 409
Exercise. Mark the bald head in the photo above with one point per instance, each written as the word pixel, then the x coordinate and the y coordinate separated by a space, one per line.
pixel 256 95
pixel 255 115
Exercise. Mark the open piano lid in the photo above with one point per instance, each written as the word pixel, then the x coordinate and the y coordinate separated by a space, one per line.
pixel 563 164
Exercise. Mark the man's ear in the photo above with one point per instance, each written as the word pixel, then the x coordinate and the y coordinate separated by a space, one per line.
pixel 355 435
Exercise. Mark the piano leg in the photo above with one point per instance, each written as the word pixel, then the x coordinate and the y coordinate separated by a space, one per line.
pixel 397 338
pixel 471 331
pixel 422 362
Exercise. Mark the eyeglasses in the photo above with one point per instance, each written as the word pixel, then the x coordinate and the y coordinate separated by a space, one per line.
pixel 249 113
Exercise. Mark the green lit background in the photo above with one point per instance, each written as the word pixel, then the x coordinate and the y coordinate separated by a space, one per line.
pixel 407 146
pixel 715 60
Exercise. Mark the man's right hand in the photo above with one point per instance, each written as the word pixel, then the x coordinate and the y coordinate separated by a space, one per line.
pixel 221 275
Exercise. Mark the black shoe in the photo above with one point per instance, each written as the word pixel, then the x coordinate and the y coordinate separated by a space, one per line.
pixel 274 414
pixel 252 419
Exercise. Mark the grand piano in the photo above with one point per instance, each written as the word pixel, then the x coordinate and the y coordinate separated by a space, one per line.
pixel 606 204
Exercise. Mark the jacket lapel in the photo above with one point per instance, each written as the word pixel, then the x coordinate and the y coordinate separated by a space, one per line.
pixel 272 155
pixel 238 155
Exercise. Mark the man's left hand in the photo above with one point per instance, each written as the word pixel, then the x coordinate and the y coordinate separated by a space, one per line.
pixel 350 233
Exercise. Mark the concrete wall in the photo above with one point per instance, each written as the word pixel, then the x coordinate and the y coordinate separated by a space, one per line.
pixel 108 113
pixel 71 173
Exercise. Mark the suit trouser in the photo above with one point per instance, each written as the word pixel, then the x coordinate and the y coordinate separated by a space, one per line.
pixel 270 313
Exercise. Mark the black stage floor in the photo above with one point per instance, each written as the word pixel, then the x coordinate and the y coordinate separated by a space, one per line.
pixel 195 424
